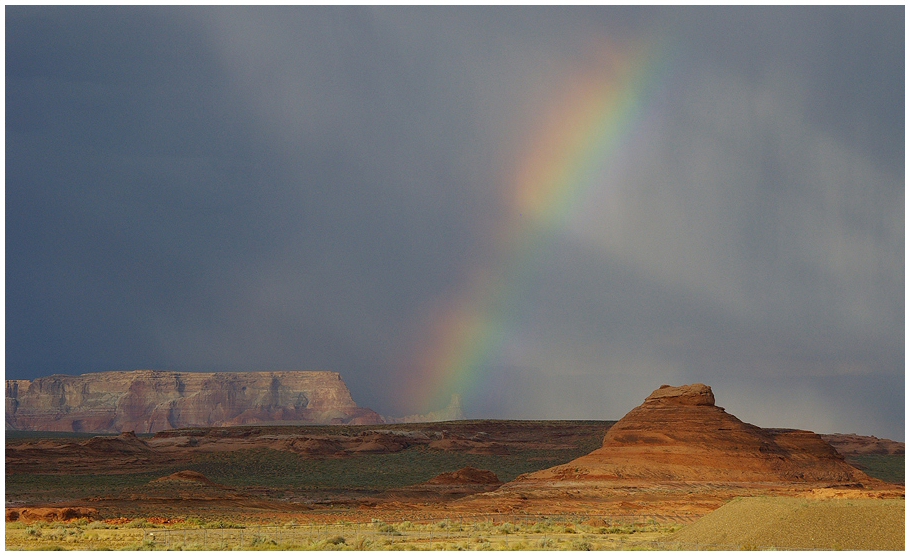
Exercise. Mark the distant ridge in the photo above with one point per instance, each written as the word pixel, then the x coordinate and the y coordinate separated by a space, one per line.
pixel 453 412
pixel 149 401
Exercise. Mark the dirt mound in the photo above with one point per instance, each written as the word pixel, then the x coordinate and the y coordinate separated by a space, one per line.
pixel 314 446
pixel 445 487
pixel 764 522
pixel 125 443
pixel 466 476
pixel 50 514
pixel 186 477
pixel 679 434
pixel 377 443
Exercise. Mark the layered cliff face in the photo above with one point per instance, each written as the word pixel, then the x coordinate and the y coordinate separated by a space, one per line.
pixel 678 433
pixel 150 401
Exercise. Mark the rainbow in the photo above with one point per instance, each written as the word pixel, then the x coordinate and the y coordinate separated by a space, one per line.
pixel 561 165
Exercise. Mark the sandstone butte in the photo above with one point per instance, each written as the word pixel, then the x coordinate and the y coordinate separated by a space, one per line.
pixel 151 401
pixel 678 454
pixel 679 434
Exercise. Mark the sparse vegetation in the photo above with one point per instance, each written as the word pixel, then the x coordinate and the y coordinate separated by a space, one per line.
pixel 299 475
pixel 377 535
pixel 888 468
pixel 274 477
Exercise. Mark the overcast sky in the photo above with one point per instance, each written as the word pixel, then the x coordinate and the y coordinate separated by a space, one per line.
pixel 241 189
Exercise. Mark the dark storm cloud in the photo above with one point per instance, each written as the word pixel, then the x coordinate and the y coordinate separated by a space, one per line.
pixel 293 187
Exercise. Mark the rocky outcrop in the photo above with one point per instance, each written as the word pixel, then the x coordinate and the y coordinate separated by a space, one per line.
pixel 679 434
pixel 150 401
pixel 50 514
pixel 852 445
pixel 466 476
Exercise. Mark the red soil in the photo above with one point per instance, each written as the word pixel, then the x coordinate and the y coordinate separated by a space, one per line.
pixel 466 476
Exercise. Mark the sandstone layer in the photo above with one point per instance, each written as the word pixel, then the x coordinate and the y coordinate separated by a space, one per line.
pixel 151 401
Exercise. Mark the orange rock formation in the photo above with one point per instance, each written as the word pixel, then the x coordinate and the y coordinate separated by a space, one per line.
pixel 679 434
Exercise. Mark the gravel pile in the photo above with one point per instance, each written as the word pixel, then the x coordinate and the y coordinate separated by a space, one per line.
pixel 798 523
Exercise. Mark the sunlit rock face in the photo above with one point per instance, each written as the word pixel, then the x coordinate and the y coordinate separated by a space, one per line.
pixel 150 401
pixel 679 434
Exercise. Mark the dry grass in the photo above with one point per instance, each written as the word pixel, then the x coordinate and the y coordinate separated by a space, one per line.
pixel 798 523
pixel 543 534
pixel 746 523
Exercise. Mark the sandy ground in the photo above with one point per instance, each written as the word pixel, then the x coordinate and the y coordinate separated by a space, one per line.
pixel 799 524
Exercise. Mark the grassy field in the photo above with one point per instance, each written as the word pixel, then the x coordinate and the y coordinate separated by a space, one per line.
pixel 528 534
pixel 887 468
pixel 414 465
pixel 292 475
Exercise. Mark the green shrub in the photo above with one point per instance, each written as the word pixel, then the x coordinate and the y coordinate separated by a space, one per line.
pixel 581 545
pixel 260 541
pixel 139 524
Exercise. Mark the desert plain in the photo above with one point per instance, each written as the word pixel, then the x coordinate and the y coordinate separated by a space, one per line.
pixel 677 472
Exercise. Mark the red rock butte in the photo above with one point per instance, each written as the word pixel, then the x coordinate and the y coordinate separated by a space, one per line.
pixel 679 434
pixel 151 401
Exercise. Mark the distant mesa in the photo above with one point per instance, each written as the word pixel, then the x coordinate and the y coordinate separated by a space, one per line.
pixel 151 401
pixel 679 434
pixel 856 445
pixel 453 412
pixel 126 443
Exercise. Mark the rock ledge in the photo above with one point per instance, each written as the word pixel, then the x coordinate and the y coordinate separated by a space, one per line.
pixel 690 394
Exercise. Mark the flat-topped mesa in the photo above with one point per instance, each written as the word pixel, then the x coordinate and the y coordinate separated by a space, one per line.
pixel 150 401
pixel 679 434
